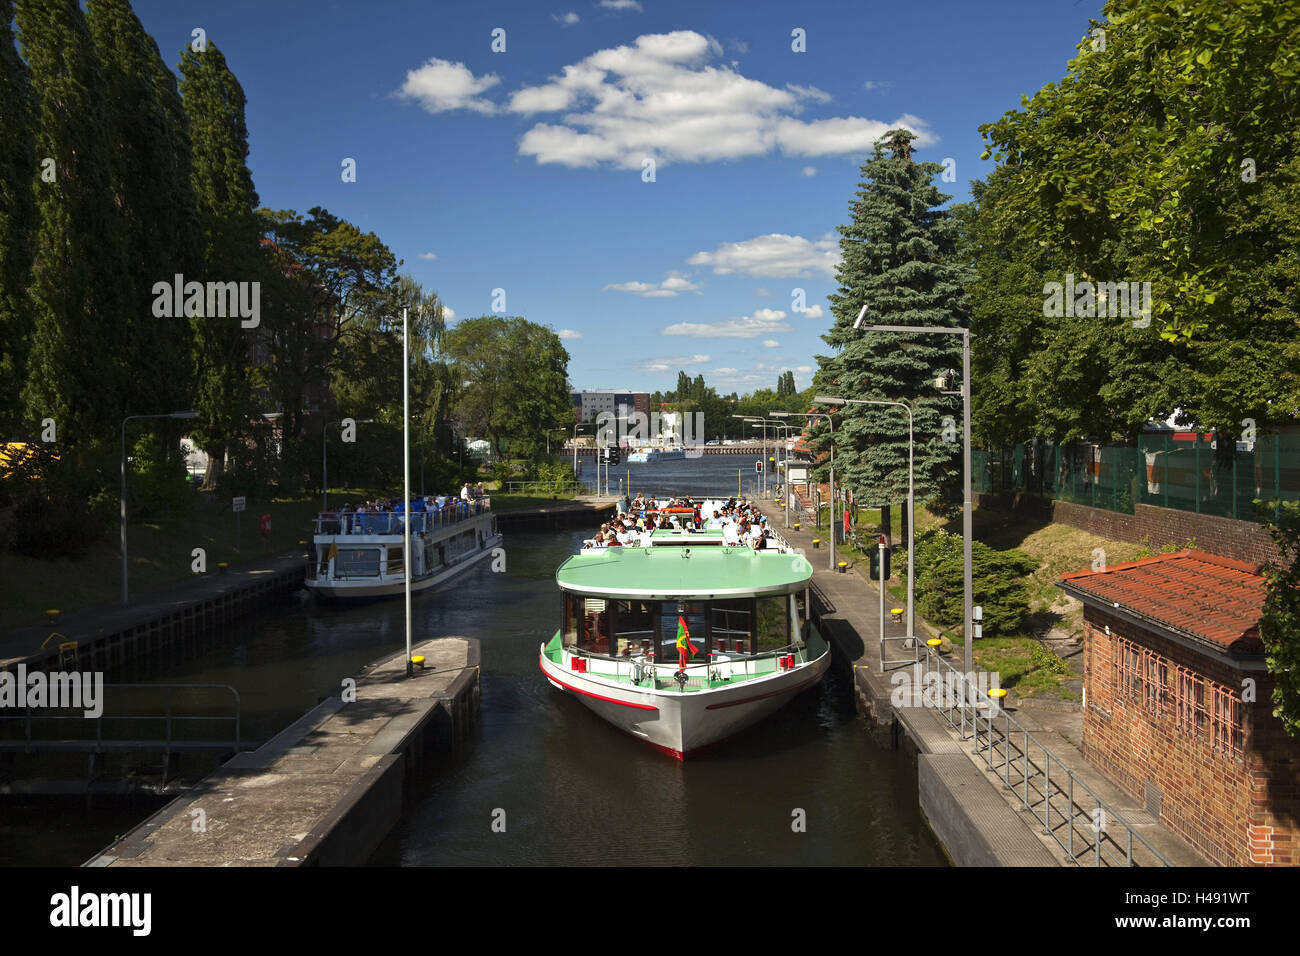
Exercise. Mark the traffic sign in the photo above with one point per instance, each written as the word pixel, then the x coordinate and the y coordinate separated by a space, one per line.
pixel 237 504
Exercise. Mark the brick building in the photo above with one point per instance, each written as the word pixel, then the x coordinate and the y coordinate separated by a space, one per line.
pixel 1177 703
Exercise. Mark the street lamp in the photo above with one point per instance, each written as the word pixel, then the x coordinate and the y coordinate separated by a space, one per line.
pixel 324 446
pixel 831 422
pixel 176 415
pixel 911 504
pixel 967 592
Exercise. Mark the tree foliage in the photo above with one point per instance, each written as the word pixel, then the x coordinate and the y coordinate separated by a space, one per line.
pixel 1168 155
pixel 1279 626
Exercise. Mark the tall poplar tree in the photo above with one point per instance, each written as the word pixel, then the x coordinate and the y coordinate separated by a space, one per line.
pixel 226 200
pixel 17 220
pixel 150 169
pixel 75 375
pixel 898 261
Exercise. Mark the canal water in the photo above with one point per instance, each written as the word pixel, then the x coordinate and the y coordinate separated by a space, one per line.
pixel 542 780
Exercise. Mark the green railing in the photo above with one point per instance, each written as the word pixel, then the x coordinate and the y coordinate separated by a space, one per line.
pixel 1161 470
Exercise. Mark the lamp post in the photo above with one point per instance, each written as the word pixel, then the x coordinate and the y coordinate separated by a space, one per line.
pixel 911 500
pixel 967 594
pixel 176 415
pixel 786 477
pixel 324 445
pixel 831 422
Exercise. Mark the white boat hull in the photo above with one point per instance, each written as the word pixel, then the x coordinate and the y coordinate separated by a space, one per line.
pixel 393 585
pixel 684 723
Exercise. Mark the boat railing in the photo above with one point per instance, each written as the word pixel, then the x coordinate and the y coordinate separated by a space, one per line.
pixel 391 522
pixel 701 675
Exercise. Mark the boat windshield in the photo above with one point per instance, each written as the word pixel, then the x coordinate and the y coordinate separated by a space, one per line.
pixel 632 628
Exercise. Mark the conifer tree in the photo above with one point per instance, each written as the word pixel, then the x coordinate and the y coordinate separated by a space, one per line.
pixel 897 260
pixel 18 169
pixel 224 195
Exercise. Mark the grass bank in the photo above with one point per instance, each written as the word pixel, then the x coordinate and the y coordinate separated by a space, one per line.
pixel 160 554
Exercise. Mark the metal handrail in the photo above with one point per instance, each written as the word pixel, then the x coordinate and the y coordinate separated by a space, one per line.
pixel 169 718
pixel 1101 817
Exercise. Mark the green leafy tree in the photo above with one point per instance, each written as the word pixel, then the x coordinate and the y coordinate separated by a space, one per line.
pixel 75 371
pixel 18 220
pixel 1279 626
pixel 1165 155
pixel 226 199
pixel 898 260
pixel 150 169
pixel 513 382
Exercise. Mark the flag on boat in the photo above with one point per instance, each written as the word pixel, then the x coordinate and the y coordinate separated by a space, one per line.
pixel 333 551
pixel 684 636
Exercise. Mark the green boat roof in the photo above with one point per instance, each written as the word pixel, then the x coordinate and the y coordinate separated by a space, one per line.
pixel 655 573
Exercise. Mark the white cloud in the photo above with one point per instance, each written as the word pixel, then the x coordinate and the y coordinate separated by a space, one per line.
pixel 762 292
pixel 809 92
pixel 441 85
pixel 448 313
pixel 803 369
pixel 763 322
pixel 671 363
pixel 877 84
pixel 664 98
pixel 775 255
pixel 568 20
pixel 808 171
pixel 770 344
pixel 813 312
pixel 672 283
pixel 568 334
pixel 621 5
pixel 427 255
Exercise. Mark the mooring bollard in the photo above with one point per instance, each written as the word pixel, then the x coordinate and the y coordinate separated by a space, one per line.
pixel 418 661
pixel 817 542
pixel 52 615
pixel 843 566
pixel 222 566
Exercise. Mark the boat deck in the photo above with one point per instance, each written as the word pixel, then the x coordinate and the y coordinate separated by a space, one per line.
pixel 726 671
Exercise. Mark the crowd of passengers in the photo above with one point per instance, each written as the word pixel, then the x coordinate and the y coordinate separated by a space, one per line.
pixel 354 521
pixel 740 522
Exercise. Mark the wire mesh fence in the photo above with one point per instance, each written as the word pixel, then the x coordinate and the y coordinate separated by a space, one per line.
pixel 1183 470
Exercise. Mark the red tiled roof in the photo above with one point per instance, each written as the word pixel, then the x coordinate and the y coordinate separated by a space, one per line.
pixel 1214 599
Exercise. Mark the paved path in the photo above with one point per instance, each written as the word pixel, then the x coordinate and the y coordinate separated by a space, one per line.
pixel 851 605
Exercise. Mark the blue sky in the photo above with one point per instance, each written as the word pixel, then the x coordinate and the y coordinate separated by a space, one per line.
pixel 524 170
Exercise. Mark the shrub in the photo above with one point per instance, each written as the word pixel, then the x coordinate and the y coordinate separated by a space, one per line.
pixel 997 579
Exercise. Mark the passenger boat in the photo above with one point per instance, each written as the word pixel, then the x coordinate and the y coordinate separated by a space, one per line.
pixel 648 454
pixel 741 614
pixel 357 556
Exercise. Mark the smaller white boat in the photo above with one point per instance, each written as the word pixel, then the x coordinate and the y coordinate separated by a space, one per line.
pixel 648 455
pixel 357 556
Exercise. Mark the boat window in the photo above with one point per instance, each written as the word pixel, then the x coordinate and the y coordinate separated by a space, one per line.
pixel 731 630
pixel 395 563
pixel 692 613
pixel 592 624
pixel 801 612
pixel 773 621
pixel 634 626
pixel 357 563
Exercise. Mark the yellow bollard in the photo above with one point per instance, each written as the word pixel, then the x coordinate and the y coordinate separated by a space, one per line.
pixel 842 565
pixel 418 661
pixel 817 542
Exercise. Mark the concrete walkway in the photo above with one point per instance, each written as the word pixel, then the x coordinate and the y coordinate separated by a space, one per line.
pixel 327 789
pixel 850 605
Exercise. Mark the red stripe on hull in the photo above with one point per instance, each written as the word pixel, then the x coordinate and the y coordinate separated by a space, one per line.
pixel 587 693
